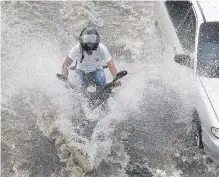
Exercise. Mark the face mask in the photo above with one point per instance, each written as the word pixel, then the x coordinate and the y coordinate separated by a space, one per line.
pixel 89 52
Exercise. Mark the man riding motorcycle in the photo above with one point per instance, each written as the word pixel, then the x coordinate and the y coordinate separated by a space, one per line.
pixel 89 55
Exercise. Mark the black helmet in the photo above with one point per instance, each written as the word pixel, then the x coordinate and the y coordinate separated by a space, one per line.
pixel 89 39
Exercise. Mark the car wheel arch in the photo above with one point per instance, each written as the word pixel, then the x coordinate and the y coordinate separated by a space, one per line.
pixel 197 129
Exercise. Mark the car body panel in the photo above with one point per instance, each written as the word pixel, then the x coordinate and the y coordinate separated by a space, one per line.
pixel 211 86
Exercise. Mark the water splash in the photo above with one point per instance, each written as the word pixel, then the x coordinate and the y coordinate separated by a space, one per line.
pixel 147 115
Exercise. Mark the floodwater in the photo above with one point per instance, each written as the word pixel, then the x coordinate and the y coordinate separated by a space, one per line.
pixel 49 131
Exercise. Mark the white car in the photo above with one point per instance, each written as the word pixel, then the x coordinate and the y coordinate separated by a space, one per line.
pixel 190 32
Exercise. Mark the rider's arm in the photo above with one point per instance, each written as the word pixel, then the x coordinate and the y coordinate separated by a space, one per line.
pixel 112 68
pixel 107 58
pixel 72 55
pixel 68 61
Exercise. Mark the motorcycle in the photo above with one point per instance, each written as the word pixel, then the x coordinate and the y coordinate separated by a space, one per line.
pixel 96 95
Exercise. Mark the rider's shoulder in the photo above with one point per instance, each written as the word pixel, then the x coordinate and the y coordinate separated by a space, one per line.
pixel 102 47
pixel 76 47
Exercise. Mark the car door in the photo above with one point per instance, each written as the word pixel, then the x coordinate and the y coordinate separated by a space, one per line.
pixel 163 21
pixel 184 19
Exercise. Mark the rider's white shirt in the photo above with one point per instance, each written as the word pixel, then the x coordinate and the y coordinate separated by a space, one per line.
pixel 92 62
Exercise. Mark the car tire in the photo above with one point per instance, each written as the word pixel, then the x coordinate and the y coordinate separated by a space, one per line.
pixel 196 131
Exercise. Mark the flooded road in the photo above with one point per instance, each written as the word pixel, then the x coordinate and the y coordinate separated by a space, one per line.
pixel 46 131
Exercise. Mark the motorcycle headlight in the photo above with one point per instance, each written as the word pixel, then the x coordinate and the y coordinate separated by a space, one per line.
pixel 91 89
pixel 215 132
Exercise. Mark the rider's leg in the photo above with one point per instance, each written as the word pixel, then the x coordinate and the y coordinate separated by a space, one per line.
pixel 100 77
pixel 81 76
